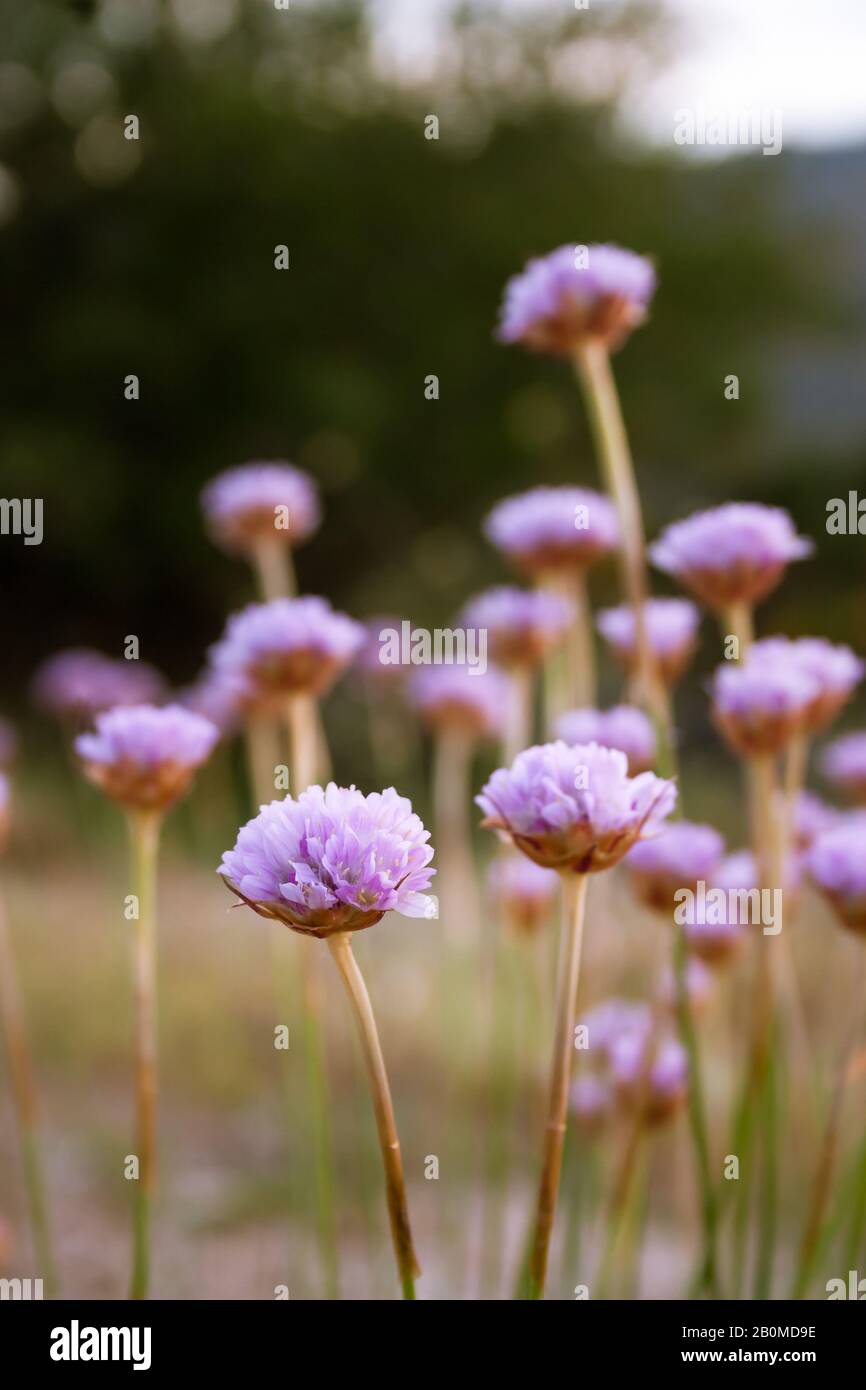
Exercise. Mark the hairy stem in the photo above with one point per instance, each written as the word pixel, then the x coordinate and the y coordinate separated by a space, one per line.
pixel 144 828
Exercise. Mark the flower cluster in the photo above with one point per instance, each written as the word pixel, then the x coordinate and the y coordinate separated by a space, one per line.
pixel 522 625
pixel 836 863
pixel 622 726
pixel 523 890
pixel 460 700
pixel 671 629
pixel 332 860
pixel 736 553
pixel 143 756
pixel 78 684
pixel 632 1063
pixel 844 764
pixel 287 646
pixel 575 808
pixel 576 293
pixel 680 856
pixel 551 529
pixel 260 503
pixel 760 705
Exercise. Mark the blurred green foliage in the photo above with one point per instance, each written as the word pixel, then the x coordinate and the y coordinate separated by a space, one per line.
pixel 157 258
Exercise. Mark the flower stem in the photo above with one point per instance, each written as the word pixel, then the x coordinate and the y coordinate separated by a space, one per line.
pixel 708 1277
pixel 275 570
pixel 304 752
pixel 459 910
pixel 574 901
pixel 14 1030
pixel 738 620
pixel 519 713
pixel 592 365
pixel 810 1241
pixel 144 827
pixel 407 1265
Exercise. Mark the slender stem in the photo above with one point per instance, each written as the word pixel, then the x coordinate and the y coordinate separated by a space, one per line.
pixel 827 1160
pixel 17 1047
pixel 592 365
pixel 738 621
pixel 275 570
pixel 144 827
pixel 574 900
pixel 303 758
pixel 407 1265
pixel 708 1277
pixel 570 674
pixel 518 714
pixel 459 910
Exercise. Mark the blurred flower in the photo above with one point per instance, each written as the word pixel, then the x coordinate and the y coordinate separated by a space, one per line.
pixel 522 625
pixel 680 856
pixel 457 698
pixel 622 726
pixel 220 696
pixel 715 934
pixel 759 706
pixel 835 669
pixel 260 502
pixel 79 683
pixel 144 756
pixel 287 646
pixel 671 628
pixel 8 743
pixel 811 817
pixel 844 764
pixel 575 809
pixel 553 528
pixel 4 810
pixel 699 985
pixel 611 1019
pixel 523 890
pixel 659 1084
pixel 333 860
pixel 735 553
pixel 837 864
pixel 368 660
pixel 591 1101
pixel 577 293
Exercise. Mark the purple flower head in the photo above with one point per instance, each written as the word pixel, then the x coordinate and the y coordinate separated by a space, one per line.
pixel 332 860
pixel 574 294
pixel 375 672
pixel 759 706
pixel 549 529
pixel 812 817
pixel 4 810
pixel 287 646
pixel 522 625
pixel 680 856
pixel 671 629
pixel 220 696
pixel 524 891
pixel 835 669
pixel 611 1020
pixel 78 684
pixel 461 700
pixel 844 764
pixel 837 864
pixel 658 1084
pixel 260 503
pixel 591 1101
pixel 623 726
pixel 699 985
pixel 8 743
pixel 144 756
pixel 575 808
pixel 736 553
